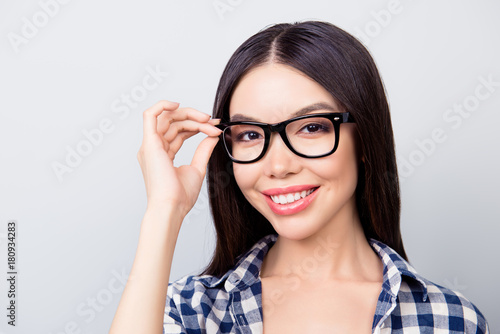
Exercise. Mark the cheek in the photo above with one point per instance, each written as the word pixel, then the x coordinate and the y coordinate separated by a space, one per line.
pixel 337 173
pixel 341 168
pixel 348 170
pixel 245 177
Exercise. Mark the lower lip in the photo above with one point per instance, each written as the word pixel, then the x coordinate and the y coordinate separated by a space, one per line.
pixel 292 208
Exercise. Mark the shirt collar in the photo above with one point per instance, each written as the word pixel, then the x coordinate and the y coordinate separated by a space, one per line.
pixel 396 269
pixel 246 271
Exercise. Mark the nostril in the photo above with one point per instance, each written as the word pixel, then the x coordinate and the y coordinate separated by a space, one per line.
pixel 279 163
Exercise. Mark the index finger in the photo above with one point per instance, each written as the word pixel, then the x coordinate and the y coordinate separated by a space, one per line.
pixel 180 114
pixel 150 115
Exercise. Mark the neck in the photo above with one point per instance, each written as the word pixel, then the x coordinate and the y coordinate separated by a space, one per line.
pixel 340 251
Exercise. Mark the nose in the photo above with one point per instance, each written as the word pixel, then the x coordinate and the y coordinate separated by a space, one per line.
pixel 279 161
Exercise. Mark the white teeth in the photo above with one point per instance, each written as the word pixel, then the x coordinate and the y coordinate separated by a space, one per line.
pixel 283 199
pixel 290 198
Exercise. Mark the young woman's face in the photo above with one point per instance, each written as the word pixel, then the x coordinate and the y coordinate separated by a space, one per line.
pixel 272 93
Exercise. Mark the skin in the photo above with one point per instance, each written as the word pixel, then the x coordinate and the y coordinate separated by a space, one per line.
pixel 334 285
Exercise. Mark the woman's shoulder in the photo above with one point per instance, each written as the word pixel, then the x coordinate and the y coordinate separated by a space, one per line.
pixel 190 281
pixel 437 306
pixel 242 275
pixel 196 302
pixel 195 286
pixel 417 301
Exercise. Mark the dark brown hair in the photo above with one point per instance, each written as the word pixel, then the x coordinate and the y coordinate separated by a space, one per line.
pixel 343 66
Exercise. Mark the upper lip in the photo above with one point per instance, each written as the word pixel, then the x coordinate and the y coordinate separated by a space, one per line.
pixel 288 190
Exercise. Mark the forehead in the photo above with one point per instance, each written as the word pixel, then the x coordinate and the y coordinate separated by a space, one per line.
pixel 274 92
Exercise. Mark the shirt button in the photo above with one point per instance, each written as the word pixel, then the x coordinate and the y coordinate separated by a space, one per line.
pixel 242 320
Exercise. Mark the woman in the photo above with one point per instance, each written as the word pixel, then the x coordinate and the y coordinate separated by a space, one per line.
pixel 305 200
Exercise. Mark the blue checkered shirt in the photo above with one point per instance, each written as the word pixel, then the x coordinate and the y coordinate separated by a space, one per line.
pixel 408 303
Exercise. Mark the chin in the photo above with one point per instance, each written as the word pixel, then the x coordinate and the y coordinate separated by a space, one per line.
pixel 293 229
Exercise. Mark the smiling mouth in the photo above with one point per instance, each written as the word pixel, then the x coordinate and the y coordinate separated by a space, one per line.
pixel 291 197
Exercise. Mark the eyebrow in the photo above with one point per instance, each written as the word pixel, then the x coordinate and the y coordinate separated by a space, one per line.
pixel 300 112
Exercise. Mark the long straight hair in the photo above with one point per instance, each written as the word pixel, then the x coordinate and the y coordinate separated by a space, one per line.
pixel 342 65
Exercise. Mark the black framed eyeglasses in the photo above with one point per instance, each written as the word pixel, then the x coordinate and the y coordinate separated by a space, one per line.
pixel 308 136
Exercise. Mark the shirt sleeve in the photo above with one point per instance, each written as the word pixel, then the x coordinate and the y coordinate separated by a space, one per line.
pixel 172 322
pixel 482 325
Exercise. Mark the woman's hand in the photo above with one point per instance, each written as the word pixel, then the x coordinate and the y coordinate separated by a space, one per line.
pixel 172 192
pixel 166 127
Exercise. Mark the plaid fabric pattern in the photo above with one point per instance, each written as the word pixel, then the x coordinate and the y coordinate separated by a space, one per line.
pixel 408 303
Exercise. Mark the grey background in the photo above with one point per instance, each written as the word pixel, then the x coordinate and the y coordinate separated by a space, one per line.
pixel 77 234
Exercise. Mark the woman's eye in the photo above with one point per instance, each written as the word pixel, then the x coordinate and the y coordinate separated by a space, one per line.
pixel 314 128
pixel 248 136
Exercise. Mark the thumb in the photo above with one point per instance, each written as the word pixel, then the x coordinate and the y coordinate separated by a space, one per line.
pixel 203 153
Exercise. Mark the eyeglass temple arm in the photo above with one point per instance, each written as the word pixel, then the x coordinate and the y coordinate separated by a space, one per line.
pixel 347 118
